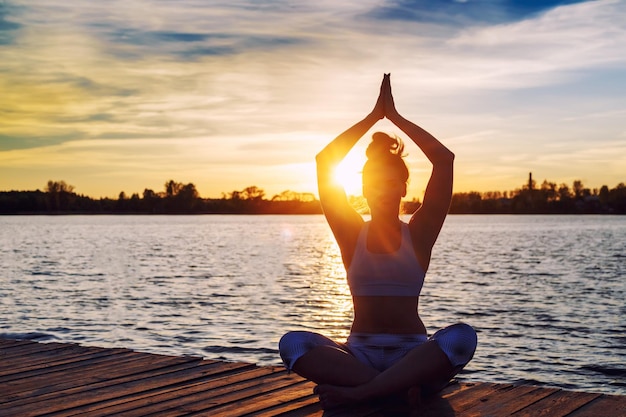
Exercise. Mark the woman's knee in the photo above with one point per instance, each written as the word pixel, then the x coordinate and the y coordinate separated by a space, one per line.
pixel 293 345
pixel 458 342
pixel 287 340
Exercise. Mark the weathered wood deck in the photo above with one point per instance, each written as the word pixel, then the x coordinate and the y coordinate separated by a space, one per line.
pixel 56 379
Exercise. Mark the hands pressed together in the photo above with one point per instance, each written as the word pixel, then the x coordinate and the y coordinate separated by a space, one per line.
pixel 385 107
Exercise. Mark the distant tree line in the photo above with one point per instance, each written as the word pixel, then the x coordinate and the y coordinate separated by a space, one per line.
pixel 548 198
pixel 177 198
pixel 59 197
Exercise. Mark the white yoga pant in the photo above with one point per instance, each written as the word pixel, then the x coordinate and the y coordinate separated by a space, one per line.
pixel 380 351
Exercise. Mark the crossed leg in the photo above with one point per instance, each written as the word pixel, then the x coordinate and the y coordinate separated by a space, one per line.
pixel 342 379
pixel 424 366
pixel 329 365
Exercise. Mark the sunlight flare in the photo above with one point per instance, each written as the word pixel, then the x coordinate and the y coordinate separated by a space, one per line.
pixel 349 174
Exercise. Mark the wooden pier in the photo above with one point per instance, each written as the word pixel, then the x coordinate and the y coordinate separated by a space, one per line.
pixel 55 379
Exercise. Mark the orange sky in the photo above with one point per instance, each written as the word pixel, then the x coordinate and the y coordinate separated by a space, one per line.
pixel 124 97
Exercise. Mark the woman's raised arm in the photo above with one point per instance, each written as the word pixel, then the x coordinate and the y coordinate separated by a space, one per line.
pixel 344 221
pixel 427 221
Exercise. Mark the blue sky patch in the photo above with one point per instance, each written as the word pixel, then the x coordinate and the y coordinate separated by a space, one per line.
pixel 466 12
pixel 7 26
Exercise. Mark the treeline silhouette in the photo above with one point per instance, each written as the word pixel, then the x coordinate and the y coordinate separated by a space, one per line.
pixel 59 197
pixel 548 198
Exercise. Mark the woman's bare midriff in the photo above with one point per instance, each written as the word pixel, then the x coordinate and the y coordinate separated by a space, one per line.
pixel 386 314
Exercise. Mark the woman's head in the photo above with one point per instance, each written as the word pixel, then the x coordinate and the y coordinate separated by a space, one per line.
pixel 385 170
pixel 384 155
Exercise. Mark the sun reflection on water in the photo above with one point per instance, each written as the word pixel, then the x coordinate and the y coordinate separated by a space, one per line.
pixel 330 301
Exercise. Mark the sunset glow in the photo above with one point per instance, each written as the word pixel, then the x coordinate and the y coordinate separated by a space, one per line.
pixel 125 96
pixel 348 174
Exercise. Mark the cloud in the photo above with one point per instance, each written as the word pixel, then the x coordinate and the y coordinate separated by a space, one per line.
pixel 554 48
pixel 8 27
pixel 145 76
pixel 237 85
pixel 191 45
pixel 11 142
pixel 463 13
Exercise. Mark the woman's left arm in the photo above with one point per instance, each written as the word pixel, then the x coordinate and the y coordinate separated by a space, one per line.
pixel 427 221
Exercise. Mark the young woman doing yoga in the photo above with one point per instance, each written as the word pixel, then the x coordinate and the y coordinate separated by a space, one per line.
pixel 388 350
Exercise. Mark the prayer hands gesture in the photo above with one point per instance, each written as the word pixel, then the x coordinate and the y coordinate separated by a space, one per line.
pixel 385 106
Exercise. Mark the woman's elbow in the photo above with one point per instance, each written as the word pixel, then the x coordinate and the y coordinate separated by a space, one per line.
pixel 445 157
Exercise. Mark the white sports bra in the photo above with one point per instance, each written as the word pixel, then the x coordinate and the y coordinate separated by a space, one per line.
pixel 385 274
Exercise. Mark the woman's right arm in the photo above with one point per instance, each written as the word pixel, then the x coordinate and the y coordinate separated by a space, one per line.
pixel 342 218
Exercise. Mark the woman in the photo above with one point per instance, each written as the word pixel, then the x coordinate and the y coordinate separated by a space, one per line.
pixel 388 351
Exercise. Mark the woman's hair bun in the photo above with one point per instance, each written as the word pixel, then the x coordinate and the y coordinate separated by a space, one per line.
pixel 384 146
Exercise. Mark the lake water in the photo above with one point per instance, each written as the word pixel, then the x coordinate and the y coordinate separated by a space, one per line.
pixel 547 294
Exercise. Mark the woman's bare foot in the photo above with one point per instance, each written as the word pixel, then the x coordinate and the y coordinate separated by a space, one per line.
pixel 332 396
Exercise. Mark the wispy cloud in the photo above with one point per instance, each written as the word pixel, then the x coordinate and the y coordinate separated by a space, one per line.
pixel 8 27
pixel 463 12
pixel 241 84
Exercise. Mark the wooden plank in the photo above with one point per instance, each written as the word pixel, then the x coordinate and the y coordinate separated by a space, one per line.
pixel 47 352
pixel 605 406
pixel 27 350
pixel 24 352
pixel 558 404
pixel 461 400
pixel 214 398
pixel 359 410
pixel 300 406
pixel 58 384
pixel 98 369
pixel 133 390
pixel 262 400
pixel 211 393
pixel 311 410
pixel 505 403
pixel 171 396
pixel 378 408
pixel 38 364
pixel 80 394
pixel 29 382
pixel 232 394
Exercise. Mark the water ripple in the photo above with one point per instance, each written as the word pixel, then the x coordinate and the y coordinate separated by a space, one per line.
pixel 545 293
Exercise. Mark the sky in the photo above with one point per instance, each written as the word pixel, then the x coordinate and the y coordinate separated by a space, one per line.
pixel 125 95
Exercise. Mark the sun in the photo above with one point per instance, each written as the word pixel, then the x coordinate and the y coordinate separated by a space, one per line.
pixel 348 174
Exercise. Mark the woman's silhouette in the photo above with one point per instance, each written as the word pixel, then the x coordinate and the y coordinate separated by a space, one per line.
pixel 388 350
